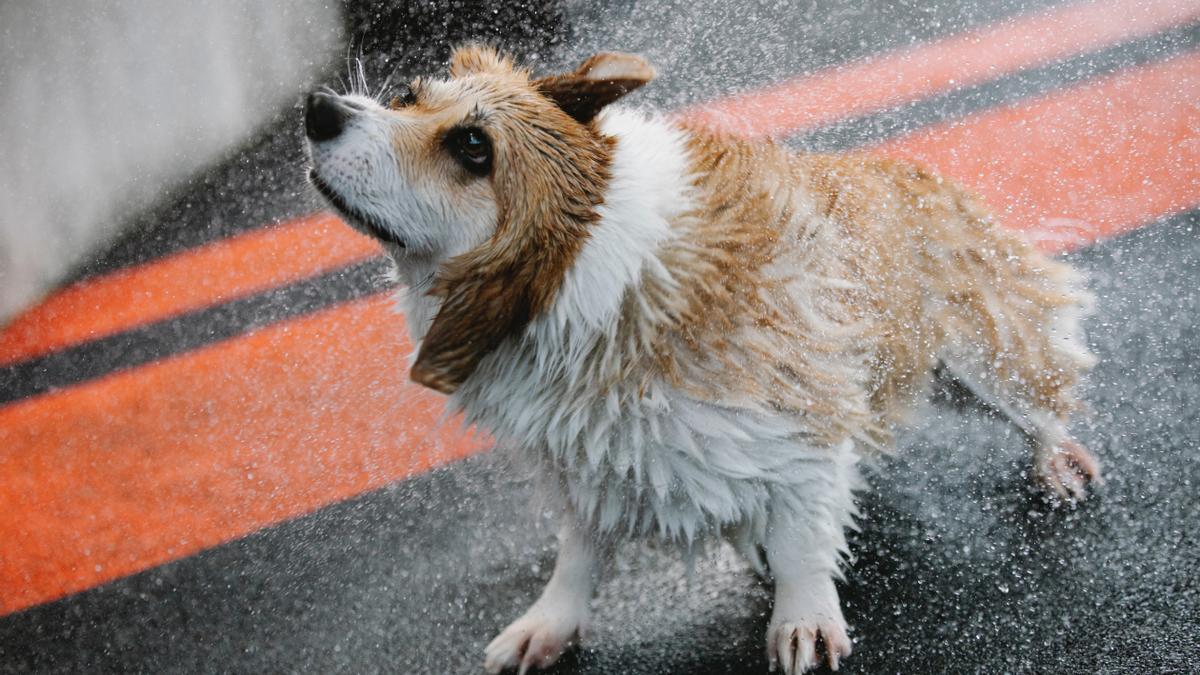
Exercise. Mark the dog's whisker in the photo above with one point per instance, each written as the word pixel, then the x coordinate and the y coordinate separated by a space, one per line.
pixel 383 88
pixel 362 78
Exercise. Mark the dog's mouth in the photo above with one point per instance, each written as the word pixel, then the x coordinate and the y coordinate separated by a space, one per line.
pixel 362 220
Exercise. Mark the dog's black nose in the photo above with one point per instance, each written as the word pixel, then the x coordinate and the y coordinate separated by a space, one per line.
pixel 324 116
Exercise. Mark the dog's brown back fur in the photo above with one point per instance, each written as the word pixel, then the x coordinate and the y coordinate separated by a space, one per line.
pixel 926 266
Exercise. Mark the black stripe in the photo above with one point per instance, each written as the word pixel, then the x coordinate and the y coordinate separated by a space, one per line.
pixel 93 359
pixel 1022 85
pixel 189 331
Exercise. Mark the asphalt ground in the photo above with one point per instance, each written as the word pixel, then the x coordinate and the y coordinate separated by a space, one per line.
pixel 398 549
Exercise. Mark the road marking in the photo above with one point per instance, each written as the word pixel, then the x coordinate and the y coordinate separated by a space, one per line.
pixel 182 282
pixel 1083 163
pixel 150 465
pixel 890 79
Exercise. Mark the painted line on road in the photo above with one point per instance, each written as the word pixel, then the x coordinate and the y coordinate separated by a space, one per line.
pixel 150 465
pixel 183 282
pixel 192 330
pixel 1083 163
pixel 860 131
pixel 887 80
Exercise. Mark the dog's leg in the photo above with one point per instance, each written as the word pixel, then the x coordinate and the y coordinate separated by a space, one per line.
pixel 558 617
pixel 1061 465
pixel 805 543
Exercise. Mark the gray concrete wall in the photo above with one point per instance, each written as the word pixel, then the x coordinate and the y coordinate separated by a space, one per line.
pixel 105 104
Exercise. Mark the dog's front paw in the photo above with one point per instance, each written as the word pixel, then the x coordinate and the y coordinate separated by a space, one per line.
pixel 535 640
pixel 801 621
pixel 793 644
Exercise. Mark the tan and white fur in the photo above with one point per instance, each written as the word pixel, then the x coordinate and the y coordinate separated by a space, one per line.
pixel 686 335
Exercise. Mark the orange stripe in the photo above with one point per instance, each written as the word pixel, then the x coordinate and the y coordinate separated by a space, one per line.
pixel 891 79
pixel 183 282
pixel 148 466
pixel 1083 163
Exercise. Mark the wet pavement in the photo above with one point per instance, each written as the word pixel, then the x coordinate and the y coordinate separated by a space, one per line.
pixel 960 566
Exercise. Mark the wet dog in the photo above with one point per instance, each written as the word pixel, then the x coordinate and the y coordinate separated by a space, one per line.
pixel 687 335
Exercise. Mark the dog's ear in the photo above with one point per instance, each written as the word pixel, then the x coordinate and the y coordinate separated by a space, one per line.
pixel 600 80
pixel 485 299
pixel 472 59
pixel 490 294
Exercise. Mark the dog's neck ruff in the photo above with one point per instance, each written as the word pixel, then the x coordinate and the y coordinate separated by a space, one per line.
pixel 649 187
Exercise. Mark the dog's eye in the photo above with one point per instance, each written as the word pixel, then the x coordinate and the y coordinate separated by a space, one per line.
pixel 403 96
pixel 471 148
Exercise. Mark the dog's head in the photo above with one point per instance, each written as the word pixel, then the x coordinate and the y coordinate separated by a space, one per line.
pixel 488 176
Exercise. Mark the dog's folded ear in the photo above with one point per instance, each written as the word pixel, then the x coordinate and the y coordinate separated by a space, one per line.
pixel 489 295
pixel 600 80
pixel 492 292
pixel 484 301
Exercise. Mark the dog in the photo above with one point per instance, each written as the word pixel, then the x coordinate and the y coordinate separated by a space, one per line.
pixel 684 334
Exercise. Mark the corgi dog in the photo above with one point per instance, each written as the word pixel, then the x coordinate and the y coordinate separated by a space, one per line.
pixel 683 334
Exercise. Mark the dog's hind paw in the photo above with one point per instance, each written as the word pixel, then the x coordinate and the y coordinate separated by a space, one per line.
pixel 1065 470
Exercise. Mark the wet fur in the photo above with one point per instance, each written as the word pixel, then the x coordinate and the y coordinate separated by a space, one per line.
pixel 683 334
